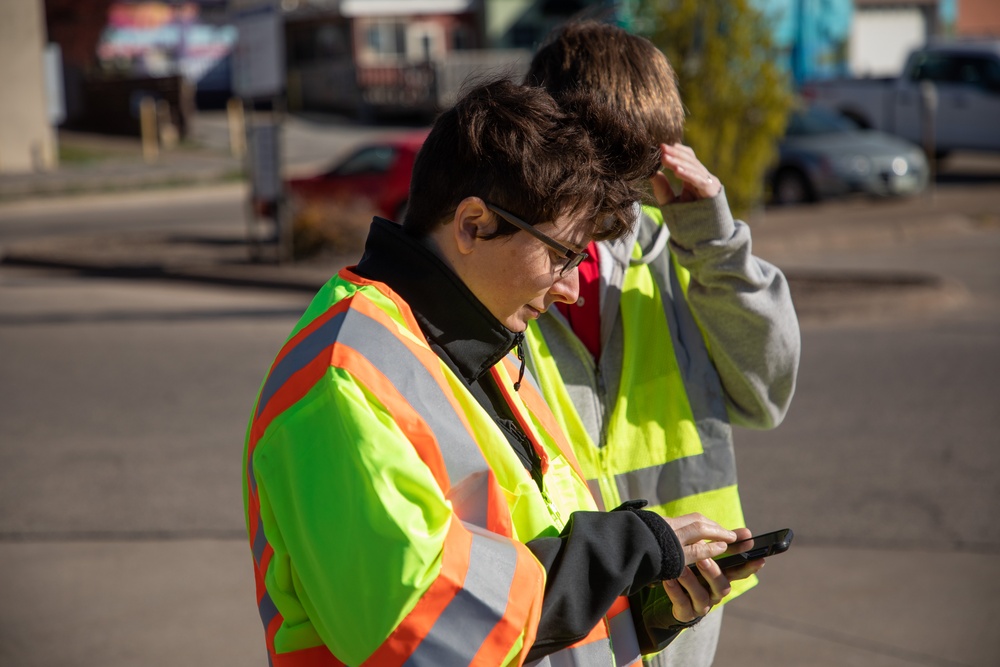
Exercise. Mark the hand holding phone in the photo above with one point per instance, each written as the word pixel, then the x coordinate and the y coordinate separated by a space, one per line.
pixel 692 596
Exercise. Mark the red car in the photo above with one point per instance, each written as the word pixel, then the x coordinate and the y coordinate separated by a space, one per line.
pixel 378 172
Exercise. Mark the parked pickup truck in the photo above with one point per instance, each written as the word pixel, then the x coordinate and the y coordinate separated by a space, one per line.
pixel 966 77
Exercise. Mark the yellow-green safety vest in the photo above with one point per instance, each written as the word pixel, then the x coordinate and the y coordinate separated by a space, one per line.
pixel 654 447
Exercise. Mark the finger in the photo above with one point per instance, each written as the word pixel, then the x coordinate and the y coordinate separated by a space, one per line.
pixel 745 570
pixel 743 541
pixel 702 550
pixel 716 579
pixel 680 149
pixel 702 528
pixel 697 590
pixel 682 161
pixel 682 609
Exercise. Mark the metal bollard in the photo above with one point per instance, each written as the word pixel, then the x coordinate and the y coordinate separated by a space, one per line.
pixel 149 130
pixel 237 128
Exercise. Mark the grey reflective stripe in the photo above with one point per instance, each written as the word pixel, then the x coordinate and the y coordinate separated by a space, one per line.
pixel 259 541
pixel 394 360
pixel 624 640
pixel 593 654
pixel 415 383
pixel 713 469
pixel 470 617
pixel 250 475
pixel 304 352
pixel 595 490
pixel 267 610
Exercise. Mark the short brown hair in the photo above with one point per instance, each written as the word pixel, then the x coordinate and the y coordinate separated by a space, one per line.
pixel 516 147
pixel 628 71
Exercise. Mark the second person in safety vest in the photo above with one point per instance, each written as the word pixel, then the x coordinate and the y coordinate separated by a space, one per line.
pixel 410 499
pixel 679 331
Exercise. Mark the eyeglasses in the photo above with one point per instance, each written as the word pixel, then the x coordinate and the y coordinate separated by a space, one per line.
pixel 572 257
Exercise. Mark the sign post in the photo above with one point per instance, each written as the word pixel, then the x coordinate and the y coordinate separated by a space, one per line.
pixel 259 77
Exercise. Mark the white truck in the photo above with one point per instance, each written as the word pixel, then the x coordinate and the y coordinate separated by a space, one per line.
pixel 966 84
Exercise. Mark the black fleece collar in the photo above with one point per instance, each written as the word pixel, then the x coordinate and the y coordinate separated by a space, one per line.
pixel 450 315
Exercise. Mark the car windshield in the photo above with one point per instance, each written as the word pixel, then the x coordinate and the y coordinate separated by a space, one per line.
pixel 814 121
pixel 370 160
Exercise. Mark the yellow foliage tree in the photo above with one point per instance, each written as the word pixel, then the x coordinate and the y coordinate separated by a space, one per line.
pixel 736 94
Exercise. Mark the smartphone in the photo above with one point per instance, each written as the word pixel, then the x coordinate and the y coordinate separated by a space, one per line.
pixel 758 546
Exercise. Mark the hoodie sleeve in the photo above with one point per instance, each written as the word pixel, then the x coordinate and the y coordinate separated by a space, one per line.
pixel 615 553
pixel 742 305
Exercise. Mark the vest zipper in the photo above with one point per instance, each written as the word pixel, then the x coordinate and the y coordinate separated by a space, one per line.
pixel 553 510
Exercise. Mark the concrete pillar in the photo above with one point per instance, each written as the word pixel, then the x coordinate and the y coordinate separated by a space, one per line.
pixel 27 139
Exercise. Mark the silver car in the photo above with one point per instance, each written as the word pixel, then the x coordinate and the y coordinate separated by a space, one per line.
pixel 826 155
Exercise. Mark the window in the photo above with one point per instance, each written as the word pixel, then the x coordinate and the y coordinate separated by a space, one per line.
pixel 371 160
pixel 384 40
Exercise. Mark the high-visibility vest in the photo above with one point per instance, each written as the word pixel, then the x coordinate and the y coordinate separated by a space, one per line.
pixel 658 444
pixel 424 552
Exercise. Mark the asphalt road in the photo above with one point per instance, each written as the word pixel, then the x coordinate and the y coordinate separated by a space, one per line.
pixel 124 407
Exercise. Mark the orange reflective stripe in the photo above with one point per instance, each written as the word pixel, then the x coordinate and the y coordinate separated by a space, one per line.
pixel 536 403
pixel 523 612
pixel 412 424
pixel 408 634
pixel 403 307
pixel 488 593
pixel 501 374
pixel 621 604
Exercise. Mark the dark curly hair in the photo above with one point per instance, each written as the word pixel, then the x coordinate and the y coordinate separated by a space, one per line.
pixel 518 148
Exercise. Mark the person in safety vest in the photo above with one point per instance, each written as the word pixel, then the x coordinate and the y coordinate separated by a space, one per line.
pixel 679 331
pixel 410 499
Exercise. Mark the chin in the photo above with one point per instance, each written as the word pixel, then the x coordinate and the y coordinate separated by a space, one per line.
pixel 517 326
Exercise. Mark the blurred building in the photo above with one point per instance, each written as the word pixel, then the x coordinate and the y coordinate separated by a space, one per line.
pixel 885 31
pixel 978 18
pixel 376 57
pixel 27 138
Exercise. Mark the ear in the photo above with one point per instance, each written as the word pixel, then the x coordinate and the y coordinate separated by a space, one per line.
pixel 471 223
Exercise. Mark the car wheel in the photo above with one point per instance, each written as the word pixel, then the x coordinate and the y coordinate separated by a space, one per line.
pixel 790 186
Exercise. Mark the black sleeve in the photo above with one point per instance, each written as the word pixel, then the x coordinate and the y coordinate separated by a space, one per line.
pixel 598 557
pixel 655 625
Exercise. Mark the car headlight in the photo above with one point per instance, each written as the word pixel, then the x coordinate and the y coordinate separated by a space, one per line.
pixel 900 166
pixel 854 165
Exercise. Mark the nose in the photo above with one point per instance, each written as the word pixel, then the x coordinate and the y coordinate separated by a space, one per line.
pixel 567 287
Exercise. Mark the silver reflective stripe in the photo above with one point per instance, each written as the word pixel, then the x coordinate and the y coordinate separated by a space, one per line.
pixel 394 360
pixel 259 541
pixel 267 610
pixel 463 626
pixel 250 475
pixel 713 469
pixel 593 654
pixel 595 490
pixel 304 352
pixel 624 640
